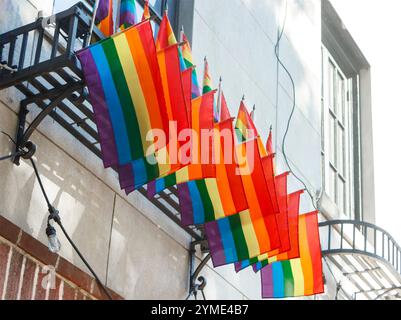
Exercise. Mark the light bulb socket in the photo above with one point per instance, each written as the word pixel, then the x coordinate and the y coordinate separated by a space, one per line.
pixel 50 231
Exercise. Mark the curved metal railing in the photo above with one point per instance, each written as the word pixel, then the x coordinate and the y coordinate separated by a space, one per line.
pixel 370 241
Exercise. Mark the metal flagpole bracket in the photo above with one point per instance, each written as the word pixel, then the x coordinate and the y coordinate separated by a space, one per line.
pixel 23 144
pixel 198 283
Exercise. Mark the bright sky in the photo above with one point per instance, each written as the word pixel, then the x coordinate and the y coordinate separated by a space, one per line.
pixel 375 26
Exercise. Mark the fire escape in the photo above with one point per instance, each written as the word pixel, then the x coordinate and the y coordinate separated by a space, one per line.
pixel 52 84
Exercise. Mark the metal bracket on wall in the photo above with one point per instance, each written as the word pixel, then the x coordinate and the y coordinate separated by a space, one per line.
pixel 198 283
pixel 55 96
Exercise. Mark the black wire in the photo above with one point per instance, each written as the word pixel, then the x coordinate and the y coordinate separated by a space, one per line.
pixel 40 183
pixel 58 221
pixel 83 259
pixel 276 52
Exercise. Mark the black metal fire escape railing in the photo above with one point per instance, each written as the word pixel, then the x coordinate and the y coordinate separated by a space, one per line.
pixel 367 244
pixel 375 242
pixel 51 81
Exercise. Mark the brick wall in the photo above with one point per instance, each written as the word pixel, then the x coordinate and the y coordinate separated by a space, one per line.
pixel 29 271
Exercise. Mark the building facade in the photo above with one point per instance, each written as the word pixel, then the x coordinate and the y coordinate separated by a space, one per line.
pixel 137 250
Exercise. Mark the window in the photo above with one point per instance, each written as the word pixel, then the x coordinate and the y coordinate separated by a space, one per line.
pixel 337 135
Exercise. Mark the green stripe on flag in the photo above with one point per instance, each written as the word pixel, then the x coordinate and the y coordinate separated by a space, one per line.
pixel 239 238
pixel 134 134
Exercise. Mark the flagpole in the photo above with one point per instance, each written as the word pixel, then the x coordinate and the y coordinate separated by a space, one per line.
pixel 219 100
pixel 253 112
pixel 96 6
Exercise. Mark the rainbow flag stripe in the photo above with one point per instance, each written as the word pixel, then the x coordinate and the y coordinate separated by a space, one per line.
pixel 258 196
pixel 293 221
pixel 201 118
pixel 212 199
pixel 128 14
pixel 297 277
pixel 166 38
pixel 102 10
pixel 244 127
pixel 189 63
pixel 186 77
pixel 126 91
pixel 106 25
pixel 232 239
pixel 173 88
pixel 254 231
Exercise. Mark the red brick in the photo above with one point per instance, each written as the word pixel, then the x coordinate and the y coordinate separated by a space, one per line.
pixel 14 276
pixel 37 249
pixel 74 274
pixel 4 251
pixel 54 294
pixel 9 230
pixel 68 292
pixel 28 280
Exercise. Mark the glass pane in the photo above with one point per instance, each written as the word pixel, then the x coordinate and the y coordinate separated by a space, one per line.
pixel 341 151
pixel 332 184
pixel 156 5
pixel 332 140
pixel 341 97
pixel 331 84
pixel 341 196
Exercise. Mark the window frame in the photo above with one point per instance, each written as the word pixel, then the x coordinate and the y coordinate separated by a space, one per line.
pixel 330 110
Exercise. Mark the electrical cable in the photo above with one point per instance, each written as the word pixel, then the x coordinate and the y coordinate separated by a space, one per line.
pixel 56 218
pixel 276 51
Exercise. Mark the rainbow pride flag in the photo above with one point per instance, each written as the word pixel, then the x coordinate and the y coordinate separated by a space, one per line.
pixel 251 232
pixel 106 25
pixel 297 277
pixel 261 261
pixel 166 38
pixel 128 14
pixel 173 88
pixel 201 118
pixel 126 91
pixel 189 63
pixel 244 127
pixel 146 11
pixel 186 77
pixel 207 79
pixel 212 199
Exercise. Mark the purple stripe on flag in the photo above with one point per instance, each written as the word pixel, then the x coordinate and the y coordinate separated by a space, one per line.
pixel 215 245
pixel 267 282
pixel 184 196
pixel 103 10
pixel 129 190
pixel 126 176
pixel 128 18
pixel 238 266
pixel 151 191
pixel 102 118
